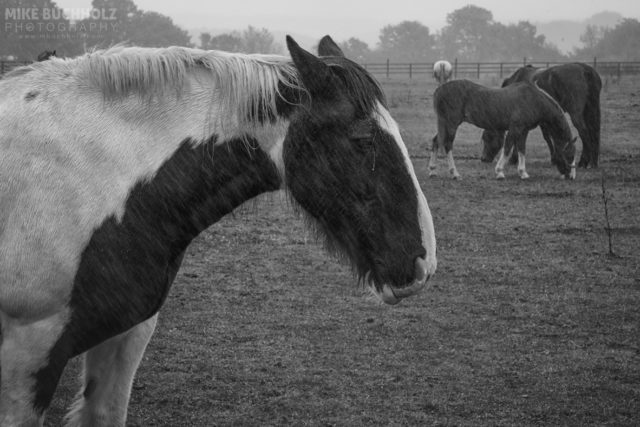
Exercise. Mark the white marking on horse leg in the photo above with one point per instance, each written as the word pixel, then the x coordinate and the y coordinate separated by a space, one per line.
pixel 24 351
pixel 500 164
pixel 572 174
pixel 108 374
pixel 452 166
pixel 521 166
pixel 433 161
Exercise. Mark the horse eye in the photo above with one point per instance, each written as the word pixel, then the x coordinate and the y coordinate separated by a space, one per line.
pixel 362 131
pixel 362 139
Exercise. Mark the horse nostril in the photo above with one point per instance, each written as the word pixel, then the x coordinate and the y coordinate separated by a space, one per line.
pixel 420 273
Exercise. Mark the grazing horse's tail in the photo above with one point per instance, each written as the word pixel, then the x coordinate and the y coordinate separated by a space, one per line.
pixel 591 114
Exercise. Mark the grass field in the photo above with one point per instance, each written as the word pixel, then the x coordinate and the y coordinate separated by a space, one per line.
pixel 530 319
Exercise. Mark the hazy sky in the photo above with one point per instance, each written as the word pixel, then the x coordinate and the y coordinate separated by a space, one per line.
pixel 360 18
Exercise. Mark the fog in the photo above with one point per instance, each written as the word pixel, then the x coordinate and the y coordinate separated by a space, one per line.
pixel 362 19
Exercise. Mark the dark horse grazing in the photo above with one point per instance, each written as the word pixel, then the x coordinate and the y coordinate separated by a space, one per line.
pixel 43 56
pixel 111 163
pixel 577 88
pixel 516 109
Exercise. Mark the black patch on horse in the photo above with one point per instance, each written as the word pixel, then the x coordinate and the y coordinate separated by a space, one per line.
pixel 128 266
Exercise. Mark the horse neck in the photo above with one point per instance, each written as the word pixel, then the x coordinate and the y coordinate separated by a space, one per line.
pixel 200 184
pixel 554 117
pixel 558 127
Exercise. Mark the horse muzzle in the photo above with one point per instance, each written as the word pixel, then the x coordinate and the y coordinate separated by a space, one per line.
pixel 392 295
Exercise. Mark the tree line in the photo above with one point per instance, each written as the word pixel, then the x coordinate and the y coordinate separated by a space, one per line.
pixel 470 35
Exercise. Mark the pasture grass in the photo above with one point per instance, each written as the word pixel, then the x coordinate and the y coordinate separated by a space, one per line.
pixel 528 321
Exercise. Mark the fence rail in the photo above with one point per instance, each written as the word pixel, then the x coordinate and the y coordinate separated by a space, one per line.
pixel 475 70
pixel 6 66
pixel 480 70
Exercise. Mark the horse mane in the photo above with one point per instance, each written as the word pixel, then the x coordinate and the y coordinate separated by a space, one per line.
pixel 564 124
pixel 248 84
pixel 551 98
pixel 251 84
pixel 361 88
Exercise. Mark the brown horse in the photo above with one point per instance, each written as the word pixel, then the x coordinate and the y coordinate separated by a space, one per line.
pixel 576 87
pixel 515 109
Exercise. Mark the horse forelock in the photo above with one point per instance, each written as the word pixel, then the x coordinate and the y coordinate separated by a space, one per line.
pixel 362 89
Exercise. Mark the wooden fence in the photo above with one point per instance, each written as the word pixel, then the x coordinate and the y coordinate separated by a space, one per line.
pixel 472 70
pixel 8 65
pixel 480 70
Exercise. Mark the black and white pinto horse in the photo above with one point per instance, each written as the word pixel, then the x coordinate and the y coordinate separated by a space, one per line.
pixel 111 163
pixel 576 87
pixel 515 109
pixel 442 71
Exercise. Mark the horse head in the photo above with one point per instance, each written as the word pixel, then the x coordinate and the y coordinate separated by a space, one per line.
pixel 346 166
pixel 564 155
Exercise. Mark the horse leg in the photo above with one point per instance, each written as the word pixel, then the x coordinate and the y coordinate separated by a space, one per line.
pixel 447 142
pixel 433 160
pixel 520 144
pixel 504 154
pixel 592 119
pixel 108 371
pixel 572 174
pixel 500 164
pixel 587 143
pixel 31 367
pixel 547 138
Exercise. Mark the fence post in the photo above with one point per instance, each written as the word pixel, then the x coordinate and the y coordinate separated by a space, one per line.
pixel 524 61
pixel 478 73
pixel 387 67
pixel 410 71
pixel 1 68
pixel 455 68
pixel 501 71
pixel 619 71
pixel 595 63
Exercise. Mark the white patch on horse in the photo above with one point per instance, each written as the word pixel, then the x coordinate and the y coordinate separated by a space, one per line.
pixel 521 166
pixel 500 164
pixel 387 123
pixel 107 377
pixel 25 349
pixel 155 97
pixel 452 166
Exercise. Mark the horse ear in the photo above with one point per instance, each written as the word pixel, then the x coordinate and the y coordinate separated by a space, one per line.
pixel 53 53
pixel 315 74
pixel 327 47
